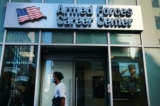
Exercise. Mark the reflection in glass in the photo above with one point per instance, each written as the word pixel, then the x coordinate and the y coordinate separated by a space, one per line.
pixel 91 1
pixel 18 76
pixel 157 21
pixel 128 77
pixel 125 38
pixel 48 88
pixel 155 3
pixel 90 83
pixel 153 71
pixel 122 2
pixel 59 1
pixel 30 1
pixel 57 36
pixel 91 37
pixel 24 36
pixel 2 17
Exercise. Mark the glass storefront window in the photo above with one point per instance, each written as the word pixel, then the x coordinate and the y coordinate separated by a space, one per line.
pixel 24 36
pixel 30 1
pixel 128 77
pixel 155 3
pixel 91 37
pixel 2 17
pixel 57 36
pixel 125 38
pixel 59 1
pixel 18 76
pixel 91 1
pixel 153 71
pixel 122 2
pixel 157 21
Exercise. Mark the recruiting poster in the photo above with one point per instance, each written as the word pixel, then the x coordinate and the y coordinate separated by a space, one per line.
pixel 129 72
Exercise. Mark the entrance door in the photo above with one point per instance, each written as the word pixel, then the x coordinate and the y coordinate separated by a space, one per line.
pixel 47 88
pixel 84 80
pixel 90 82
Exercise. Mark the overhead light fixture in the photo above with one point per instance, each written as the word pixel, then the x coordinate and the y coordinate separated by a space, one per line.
pixel 26 54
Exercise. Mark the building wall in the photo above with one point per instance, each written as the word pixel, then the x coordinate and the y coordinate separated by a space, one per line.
pixel 151 34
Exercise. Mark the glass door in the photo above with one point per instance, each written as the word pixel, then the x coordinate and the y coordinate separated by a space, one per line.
pixel 90 83
pixel 84 79
pixel 47 88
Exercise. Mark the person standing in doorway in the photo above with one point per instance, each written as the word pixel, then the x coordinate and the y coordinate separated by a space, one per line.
pixel 60 96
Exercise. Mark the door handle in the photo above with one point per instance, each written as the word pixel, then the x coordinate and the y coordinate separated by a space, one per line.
pixel 76 89
pixel 108 86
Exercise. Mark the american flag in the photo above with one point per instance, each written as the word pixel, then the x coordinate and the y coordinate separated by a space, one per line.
pixel 29 14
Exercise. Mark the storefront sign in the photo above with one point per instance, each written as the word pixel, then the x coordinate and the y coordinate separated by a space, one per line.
pixel 81 16
pixel 71 16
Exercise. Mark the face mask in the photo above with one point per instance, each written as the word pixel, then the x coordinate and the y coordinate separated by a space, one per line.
pixel 53 81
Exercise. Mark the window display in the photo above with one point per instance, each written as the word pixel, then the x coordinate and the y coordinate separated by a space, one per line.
pixel 129 87
pixel 18 76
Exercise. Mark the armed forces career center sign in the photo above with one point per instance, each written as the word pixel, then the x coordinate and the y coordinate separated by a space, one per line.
pixel 82 16
pixel 71 16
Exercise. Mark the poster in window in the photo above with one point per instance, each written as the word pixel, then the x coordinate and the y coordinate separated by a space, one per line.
pixel 129 72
